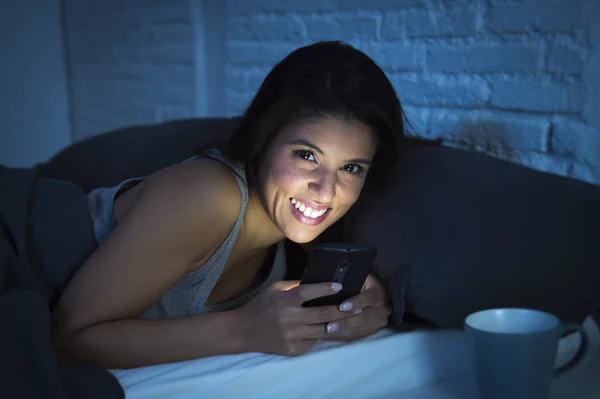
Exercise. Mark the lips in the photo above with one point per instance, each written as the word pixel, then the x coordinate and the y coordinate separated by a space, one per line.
pixel 309 214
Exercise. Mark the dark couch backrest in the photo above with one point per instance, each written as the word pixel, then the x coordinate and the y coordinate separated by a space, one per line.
pixel 107 159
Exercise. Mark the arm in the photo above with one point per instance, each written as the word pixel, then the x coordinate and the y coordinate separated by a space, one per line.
pixel 129 343
pixel 160 239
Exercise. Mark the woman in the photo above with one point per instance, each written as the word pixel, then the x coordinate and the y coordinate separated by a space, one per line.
pixel 190 259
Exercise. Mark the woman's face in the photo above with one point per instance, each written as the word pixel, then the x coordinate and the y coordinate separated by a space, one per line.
pixel 313 173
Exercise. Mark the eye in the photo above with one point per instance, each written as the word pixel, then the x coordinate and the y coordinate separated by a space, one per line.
pixel 305 155
pixel 354 169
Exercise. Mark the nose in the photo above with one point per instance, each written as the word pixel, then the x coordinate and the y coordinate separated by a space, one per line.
pixel 323 186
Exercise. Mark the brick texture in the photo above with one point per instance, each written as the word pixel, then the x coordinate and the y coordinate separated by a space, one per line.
pixel 541 16
pixel 515 79
pixel 512 79
pixel 130 62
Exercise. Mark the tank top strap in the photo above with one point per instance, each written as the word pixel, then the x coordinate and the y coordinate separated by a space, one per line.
pixel 239 170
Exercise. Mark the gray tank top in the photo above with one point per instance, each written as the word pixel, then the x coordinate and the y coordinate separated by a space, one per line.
pixel 188 296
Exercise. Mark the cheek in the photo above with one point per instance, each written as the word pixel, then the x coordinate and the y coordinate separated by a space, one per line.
pixel 282 178
pixel 351 192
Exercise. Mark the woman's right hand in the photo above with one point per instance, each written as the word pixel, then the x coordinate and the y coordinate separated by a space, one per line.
pixel 275 322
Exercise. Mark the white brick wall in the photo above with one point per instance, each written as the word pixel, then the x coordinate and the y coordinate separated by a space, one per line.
pixel 508 78
pixel 519 80
pixel 130 62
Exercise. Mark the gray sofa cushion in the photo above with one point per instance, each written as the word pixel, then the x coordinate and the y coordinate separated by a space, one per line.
pixel 459 231
pixel 109 158
pixel 47 222
pixel 45 234
pixel 62 230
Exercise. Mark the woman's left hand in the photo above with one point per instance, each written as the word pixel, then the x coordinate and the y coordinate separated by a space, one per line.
pixel 369 312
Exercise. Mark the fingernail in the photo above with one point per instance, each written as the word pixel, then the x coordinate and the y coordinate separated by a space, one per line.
pixel 344 307
pixel 357 311
pixel 336 286
pixel 332 327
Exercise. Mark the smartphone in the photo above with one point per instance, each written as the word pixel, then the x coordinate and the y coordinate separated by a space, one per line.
pixel 347 264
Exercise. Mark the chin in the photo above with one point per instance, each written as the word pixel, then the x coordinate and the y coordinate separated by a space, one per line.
pixel 302 237
pixel 302 229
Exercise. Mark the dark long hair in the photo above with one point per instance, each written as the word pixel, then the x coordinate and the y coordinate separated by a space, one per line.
pixel 323 79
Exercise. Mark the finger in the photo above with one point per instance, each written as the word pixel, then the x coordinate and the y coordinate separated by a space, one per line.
pixel 376 288
pixel 356 329
pixel 373 317
pixel 312 332
pixel 373 293
pixel 285 285
pixel 374 284
pixel 354 321
pixel 351 335
pixel 359 302
pixel 305 292
pixel 326 329
pixel 370 281
pixel 319 314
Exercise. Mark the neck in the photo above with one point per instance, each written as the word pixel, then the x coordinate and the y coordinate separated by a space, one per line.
pixel 258 230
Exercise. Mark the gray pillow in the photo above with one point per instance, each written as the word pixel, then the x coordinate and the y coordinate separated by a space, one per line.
pixel 458 231
pixel 109 158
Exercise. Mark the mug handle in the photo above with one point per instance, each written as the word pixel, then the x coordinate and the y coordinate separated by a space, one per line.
pixel 583 347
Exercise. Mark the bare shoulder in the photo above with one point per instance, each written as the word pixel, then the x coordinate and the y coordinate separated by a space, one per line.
pixel 197 197
pixel 205 179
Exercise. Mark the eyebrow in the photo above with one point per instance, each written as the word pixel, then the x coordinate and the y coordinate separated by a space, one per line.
pixel 320 151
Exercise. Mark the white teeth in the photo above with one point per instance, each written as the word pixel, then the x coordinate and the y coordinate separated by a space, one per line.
pixel 307 211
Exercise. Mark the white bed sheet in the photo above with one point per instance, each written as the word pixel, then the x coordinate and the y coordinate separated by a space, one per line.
pixel 414 365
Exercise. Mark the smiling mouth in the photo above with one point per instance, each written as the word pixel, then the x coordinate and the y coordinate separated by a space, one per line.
pixel 305 213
